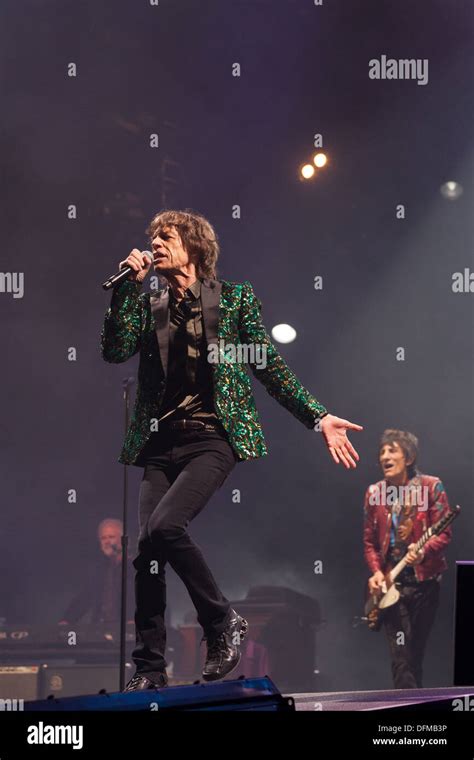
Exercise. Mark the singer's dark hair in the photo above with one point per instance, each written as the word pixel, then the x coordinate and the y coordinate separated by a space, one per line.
pixel 408 444
pixel 197 234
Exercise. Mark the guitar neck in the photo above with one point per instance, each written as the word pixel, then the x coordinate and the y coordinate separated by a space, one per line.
pixel 433 530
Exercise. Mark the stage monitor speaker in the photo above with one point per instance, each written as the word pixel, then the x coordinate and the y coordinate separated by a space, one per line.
pixel 464 625
pixel 243 694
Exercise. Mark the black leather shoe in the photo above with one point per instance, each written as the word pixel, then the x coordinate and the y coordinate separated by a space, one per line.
pixel 223 653
pixel 139 682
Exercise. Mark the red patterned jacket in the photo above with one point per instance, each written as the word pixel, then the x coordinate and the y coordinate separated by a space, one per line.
pixel 428 494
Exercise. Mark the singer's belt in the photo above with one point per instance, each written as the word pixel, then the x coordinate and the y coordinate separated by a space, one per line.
pixel 188 425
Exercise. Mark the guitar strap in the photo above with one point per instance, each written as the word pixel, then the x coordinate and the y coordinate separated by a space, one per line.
pixel 403 516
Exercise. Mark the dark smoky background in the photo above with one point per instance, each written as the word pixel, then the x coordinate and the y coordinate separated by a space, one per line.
pixel 226 140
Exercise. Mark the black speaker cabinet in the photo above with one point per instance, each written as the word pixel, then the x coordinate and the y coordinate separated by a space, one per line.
pixel 281 642
pixel 464 625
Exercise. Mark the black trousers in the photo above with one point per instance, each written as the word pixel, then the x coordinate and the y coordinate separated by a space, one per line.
pixel 408 625
pixel 183 469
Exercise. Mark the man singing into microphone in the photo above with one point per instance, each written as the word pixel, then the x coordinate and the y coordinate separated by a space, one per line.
pixel 194 419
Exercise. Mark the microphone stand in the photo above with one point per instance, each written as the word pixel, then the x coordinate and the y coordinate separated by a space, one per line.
pixel 127 382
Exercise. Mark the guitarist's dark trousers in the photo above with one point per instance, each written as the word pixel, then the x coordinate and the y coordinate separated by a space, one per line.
pixel 413 616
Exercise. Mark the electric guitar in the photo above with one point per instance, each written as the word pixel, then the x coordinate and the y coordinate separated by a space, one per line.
pixel 388 594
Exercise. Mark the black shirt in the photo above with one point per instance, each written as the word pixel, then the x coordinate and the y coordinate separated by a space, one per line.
pixel 189 385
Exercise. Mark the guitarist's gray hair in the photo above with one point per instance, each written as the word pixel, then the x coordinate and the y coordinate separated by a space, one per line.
pixel 408 443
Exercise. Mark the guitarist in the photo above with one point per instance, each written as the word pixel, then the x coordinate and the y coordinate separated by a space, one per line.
pixel 397 510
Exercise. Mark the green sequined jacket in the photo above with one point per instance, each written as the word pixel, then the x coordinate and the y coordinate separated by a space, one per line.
pixel 138 321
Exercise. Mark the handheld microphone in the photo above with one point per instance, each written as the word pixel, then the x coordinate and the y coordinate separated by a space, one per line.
pixel 124 273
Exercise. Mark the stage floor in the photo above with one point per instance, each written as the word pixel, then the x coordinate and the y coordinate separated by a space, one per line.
pixel 380 700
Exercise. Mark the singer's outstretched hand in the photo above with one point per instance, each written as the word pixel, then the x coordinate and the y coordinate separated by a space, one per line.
pixel 139 263
pixel 335 435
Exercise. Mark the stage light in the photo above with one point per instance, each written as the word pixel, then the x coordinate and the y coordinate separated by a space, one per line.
pixel 283 333
pixel 320 159
pixel 451 190
pixel 307 171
